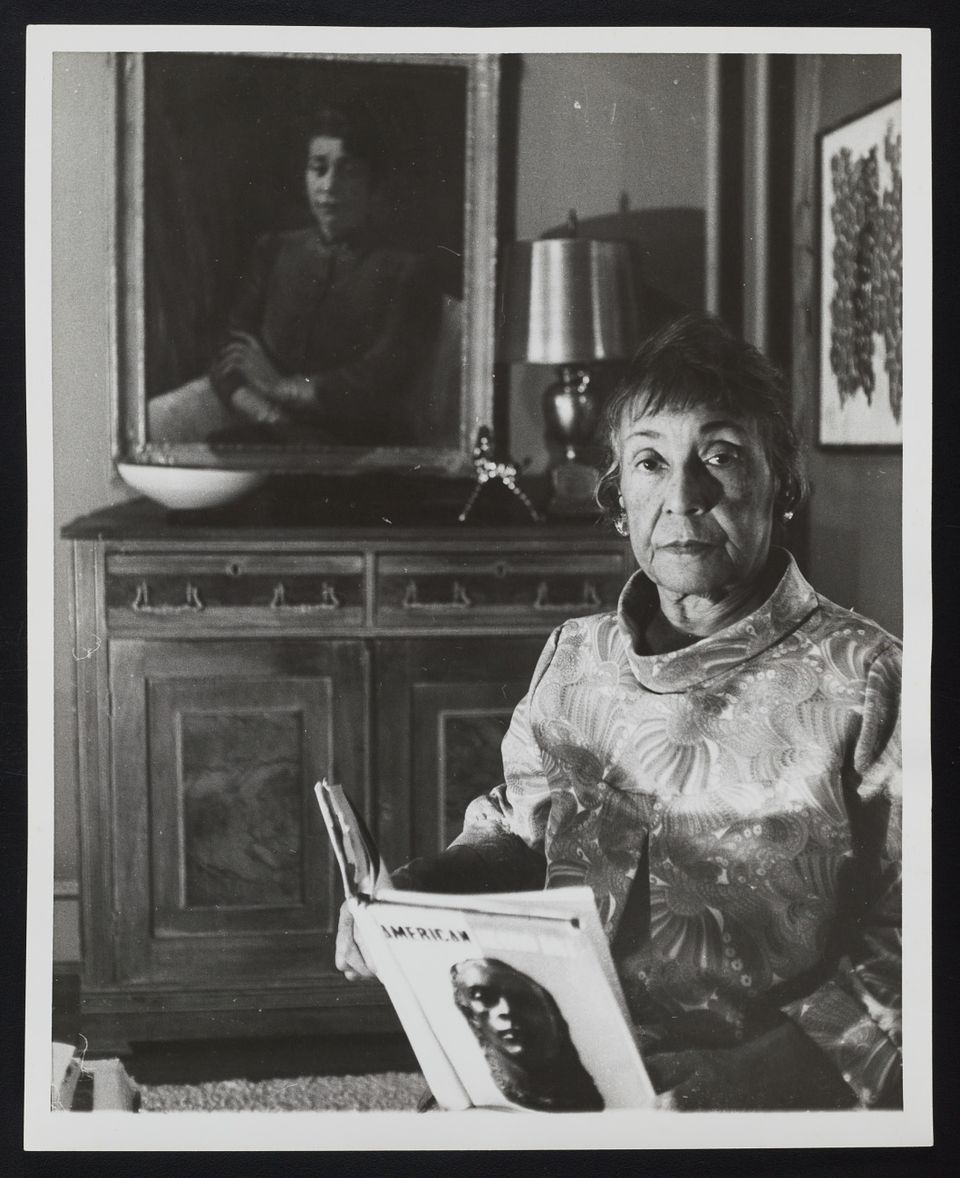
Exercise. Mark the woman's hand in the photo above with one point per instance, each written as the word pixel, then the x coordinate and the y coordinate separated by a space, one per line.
pixel 245 358
pixel 256 408
pixel 781 1069
pixel 349 956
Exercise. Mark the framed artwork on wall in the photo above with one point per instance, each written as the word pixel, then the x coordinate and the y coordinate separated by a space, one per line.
pixel 304 259
pixel 861 281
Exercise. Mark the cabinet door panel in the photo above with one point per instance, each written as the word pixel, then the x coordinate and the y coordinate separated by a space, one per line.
pixel 459 728
pixel 221 856
pixel 231 770
pixel 443 711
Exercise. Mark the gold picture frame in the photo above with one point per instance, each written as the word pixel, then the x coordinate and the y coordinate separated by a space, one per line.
pixel 198 170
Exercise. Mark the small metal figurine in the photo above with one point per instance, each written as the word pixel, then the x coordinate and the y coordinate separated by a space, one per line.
pixel 489 470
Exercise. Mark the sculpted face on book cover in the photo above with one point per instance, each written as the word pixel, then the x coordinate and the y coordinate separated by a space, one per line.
pixel 523 1036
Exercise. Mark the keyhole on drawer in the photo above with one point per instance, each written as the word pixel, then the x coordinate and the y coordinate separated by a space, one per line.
pixel 500 569
pixel 233 569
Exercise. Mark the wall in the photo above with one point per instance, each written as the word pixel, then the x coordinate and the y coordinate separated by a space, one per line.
pixel 83 478
pixel 593 127
pixel 855 550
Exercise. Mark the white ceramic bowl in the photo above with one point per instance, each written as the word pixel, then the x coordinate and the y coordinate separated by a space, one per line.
pixel 189 488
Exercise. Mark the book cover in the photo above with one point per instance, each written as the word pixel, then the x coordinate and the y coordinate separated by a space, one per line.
pixel 509 1000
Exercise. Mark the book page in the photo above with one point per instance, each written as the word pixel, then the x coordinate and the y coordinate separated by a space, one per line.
pixel 357 855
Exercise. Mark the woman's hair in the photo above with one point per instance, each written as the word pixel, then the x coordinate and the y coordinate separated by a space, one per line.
pixel 353 122
pixel 696 361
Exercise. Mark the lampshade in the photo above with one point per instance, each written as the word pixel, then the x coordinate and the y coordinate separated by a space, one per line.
pixel 568 300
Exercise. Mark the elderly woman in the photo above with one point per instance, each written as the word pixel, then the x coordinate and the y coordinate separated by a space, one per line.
pixel 719 761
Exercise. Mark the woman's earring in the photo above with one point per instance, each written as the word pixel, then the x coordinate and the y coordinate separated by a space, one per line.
pixel 621 523
pixel 787 516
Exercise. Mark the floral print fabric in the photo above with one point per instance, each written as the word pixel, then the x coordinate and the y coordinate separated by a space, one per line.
pixel 735 807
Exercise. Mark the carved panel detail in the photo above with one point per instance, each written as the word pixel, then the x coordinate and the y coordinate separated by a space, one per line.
pixel 240 781
pixel 470 760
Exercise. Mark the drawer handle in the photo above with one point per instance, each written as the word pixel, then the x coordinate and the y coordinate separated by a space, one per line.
pixel 328 600
pixel 459 599
pixel 589 600
pixel 141 602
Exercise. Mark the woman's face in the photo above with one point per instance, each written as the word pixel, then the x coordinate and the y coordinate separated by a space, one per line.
pixel 699 493
pixel 338 187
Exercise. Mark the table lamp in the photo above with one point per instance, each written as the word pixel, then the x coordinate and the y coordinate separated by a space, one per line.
pixel 570 302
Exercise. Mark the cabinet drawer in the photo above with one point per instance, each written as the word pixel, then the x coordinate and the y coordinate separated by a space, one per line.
pixel 495 588
pixel 197 591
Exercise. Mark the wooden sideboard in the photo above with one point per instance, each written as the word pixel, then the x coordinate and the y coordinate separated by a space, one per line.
pixel 223 667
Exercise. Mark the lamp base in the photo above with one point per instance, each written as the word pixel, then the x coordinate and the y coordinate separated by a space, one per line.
pixel 574 489
pixel 571 408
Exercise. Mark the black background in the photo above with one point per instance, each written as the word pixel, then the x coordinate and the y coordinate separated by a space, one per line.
pixel 15 15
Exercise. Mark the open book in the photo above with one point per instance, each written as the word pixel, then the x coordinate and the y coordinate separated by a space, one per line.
pixel 509 1000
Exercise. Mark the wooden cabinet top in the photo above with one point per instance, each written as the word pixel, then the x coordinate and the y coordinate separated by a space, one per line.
pixel 277 514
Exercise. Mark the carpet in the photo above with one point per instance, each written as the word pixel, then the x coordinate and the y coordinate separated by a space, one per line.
pixel 380 1091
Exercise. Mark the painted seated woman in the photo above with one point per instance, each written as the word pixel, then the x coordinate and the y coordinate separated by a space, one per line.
pixel 331 324
pixel 719 760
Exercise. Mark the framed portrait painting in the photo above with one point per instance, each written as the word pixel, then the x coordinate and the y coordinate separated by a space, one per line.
pixel 861 281
pixel 305 258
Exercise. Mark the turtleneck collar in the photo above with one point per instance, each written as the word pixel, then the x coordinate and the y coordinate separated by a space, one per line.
pixel 792 601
